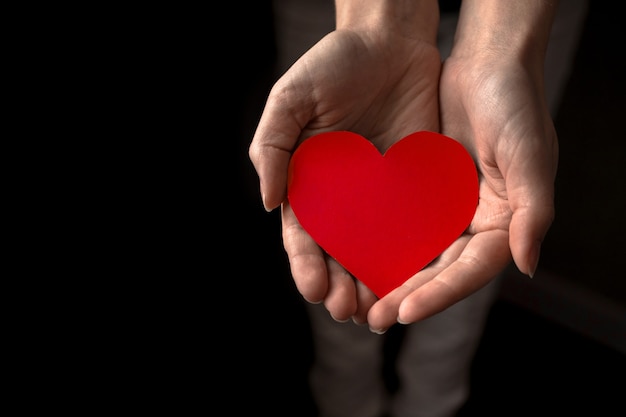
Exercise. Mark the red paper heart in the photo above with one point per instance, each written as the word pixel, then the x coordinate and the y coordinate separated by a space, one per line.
pixel 383 217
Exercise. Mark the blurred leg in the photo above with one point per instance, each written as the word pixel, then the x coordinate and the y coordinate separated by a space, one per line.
pixel 347 371
pixel 434 362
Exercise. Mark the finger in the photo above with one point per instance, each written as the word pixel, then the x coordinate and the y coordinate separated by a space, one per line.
pixel 528 228
pixel 273 142
pixel 365 300
pixel 340 300
pixel 306 258
pixel 485 256
pixel 530 189
pixel 384 314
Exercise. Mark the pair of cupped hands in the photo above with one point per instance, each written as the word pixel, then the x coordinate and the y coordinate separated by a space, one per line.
pixel 384 90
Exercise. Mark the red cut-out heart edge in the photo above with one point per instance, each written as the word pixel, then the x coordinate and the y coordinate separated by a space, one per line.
pixel 383 217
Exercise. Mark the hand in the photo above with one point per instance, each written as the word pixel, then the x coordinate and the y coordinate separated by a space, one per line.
pixel 494 105
pixel 381 84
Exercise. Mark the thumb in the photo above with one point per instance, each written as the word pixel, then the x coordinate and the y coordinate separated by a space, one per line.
pixel 270 150
pixel 532 201
pixel 527 231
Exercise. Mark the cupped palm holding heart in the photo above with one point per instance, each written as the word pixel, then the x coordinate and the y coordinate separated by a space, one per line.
pixel 383 217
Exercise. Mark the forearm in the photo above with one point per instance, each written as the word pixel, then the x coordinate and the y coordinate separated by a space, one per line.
pixel 414 19
pixel 517 30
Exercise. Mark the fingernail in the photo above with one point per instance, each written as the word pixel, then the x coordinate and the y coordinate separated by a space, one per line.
pixel 533 260
pixel 378 331
pixel 264 203
pixel 357 322
pixel 265 206
pixel 339 320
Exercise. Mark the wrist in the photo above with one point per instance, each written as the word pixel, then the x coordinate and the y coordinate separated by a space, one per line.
pixel 412 19
pixel 508 30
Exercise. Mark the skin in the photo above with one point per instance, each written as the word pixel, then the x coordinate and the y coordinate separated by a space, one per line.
pixel 380 75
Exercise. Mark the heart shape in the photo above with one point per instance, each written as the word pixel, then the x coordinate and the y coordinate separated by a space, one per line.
pixel 383 217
